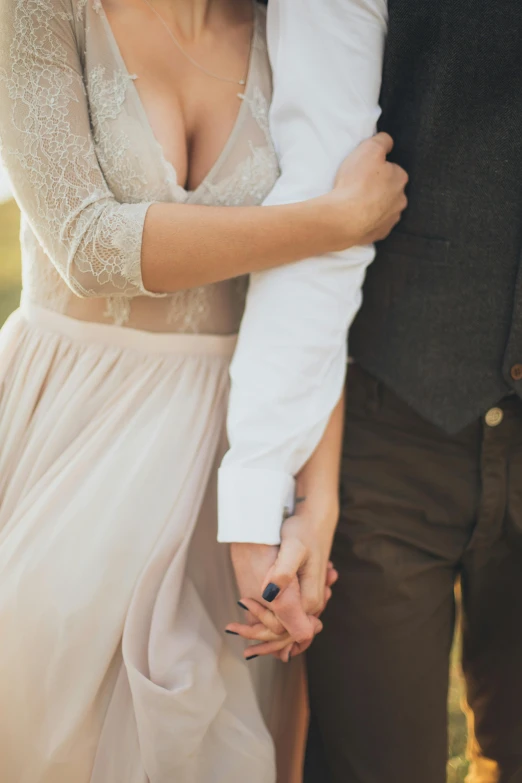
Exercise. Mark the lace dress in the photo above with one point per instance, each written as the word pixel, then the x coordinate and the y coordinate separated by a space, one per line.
pixel 114 667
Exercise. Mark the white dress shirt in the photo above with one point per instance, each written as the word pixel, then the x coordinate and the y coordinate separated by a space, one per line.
pixel 289 367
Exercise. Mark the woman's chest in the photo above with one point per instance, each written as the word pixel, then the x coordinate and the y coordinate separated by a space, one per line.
pixel 152 140
pixel 191 104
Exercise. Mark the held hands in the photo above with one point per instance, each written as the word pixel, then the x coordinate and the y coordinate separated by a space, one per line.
pixel 295 580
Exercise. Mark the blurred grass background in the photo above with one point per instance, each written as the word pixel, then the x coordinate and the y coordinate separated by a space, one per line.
pixel 9 299
pixel 9 259
pixel 457 765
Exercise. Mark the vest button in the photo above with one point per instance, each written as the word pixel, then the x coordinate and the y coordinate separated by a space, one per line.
pixel 494 417
pixel 516 372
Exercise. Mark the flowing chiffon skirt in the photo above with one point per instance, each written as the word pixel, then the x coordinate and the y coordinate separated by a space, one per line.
pixel 114 594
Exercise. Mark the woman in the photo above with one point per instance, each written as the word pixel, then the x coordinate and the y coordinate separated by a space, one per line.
pixel 135 134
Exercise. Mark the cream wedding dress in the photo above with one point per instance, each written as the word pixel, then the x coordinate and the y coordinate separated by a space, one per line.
pixel 114 667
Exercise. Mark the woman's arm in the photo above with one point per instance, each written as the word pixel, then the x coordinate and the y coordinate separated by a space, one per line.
pixel 307 536
pixel 306 542
pixel 102 247
pixel 318 483
pixel 188 245
pixel 185 246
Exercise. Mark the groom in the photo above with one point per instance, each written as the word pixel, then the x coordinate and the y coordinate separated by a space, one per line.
pixel 431 488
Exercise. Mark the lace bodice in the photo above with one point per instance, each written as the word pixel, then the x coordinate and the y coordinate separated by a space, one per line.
pixel 85 166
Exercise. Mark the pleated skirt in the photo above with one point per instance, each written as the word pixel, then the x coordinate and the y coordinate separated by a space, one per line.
pixel 114 595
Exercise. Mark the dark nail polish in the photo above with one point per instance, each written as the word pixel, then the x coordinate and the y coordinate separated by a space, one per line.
pixel 242 606
pixel 251 657
pixel 271 593
pixel 232 633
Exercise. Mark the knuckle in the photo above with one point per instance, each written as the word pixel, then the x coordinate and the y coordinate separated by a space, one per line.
pixel 281 578
pixel 372 146
pixel 314 603
pixel 306 637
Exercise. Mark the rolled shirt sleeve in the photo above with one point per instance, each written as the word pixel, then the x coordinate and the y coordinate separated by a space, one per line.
pixel 289 367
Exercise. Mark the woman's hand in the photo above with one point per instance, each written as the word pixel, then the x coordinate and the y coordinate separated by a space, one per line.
pixel 298 575
pixel 368 198
pixel 268 632
pixel 307 536
pixel 306 542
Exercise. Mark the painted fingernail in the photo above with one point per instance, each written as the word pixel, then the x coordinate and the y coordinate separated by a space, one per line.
pixel 232 633
pixel 271 593
pixel 242 606
pixel 251 657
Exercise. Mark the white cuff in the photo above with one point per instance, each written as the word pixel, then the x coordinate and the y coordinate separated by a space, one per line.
pixel 252 504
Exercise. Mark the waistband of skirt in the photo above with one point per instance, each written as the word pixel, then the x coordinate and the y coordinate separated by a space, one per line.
pixel 89 332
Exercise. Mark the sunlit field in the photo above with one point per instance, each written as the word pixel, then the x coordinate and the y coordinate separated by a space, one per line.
pixel 9 297
pixel 9 259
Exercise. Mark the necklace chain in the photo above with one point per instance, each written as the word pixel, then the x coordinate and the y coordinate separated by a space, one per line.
pixel 191 60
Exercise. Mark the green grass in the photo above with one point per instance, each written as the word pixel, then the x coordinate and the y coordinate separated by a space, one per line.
pixel 9 298
pixel 457 766
pixel 9 259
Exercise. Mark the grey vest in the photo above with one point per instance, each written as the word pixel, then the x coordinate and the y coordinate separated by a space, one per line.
pixel 441 321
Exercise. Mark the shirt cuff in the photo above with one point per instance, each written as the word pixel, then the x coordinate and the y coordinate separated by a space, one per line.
pixel 253 504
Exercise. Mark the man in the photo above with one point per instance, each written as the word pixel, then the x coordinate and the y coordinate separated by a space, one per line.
pixel 432 469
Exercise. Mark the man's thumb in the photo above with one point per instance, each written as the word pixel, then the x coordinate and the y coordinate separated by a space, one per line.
pixel 289 561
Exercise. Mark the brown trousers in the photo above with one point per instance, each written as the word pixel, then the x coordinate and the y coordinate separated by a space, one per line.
pixel 420 510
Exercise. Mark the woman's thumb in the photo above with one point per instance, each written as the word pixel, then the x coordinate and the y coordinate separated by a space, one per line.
pixel 291 558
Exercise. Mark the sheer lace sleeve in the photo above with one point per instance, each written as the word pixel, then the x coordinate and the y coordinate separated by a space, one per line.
pixel 47 148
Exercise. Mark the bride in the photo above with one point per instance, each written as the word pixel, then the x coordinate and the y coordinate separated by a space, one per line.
pixel 135 133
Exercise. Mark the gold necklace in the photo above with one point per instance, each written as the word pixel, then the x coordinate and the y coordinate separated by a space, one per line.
pixel 191 60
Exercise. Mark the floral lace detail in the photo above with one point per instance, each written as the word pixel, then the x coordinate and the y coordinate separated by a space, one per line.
pixel 81 5
pixel 122 168
pixel 118 309
pixel 253 178
pixel 85 165
pixel 193 304
pixel 94 242
pixel 259 108
pixel 80 9
pixel 249 183
pixel 41 281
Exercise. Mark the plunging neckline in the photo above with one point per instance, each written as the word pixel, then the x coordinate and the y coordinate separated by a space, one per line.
pixel 189 195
